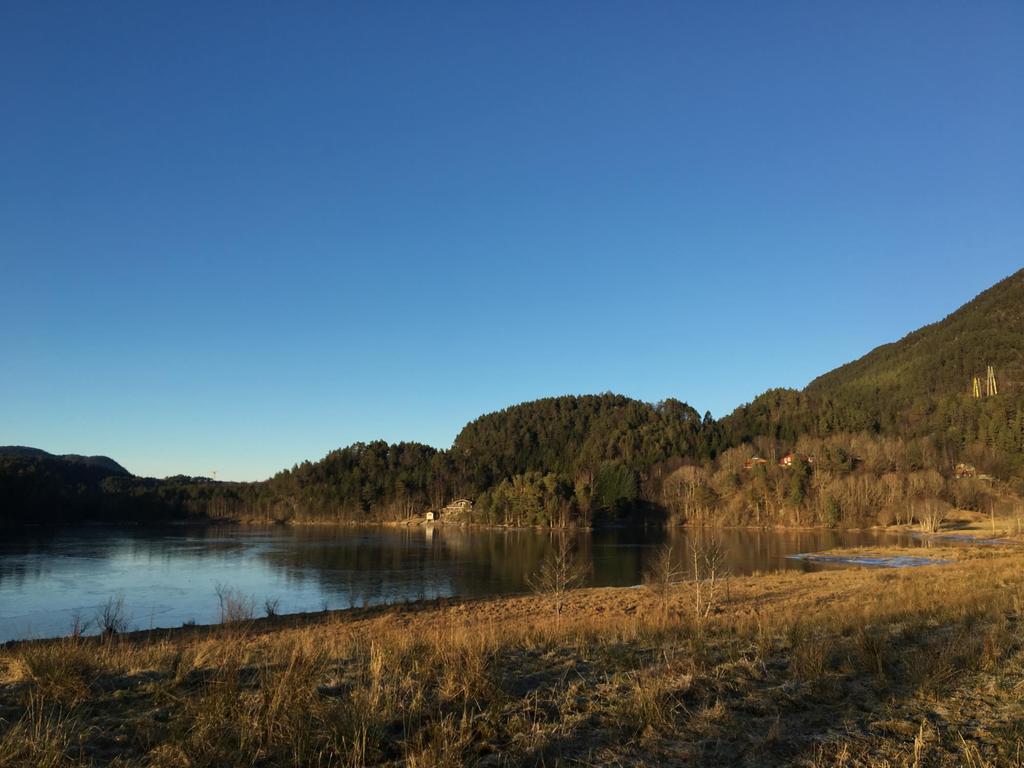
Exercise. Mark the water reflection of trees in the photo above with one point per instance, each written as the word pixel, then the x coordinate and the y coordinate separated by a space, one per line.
pixel 414 563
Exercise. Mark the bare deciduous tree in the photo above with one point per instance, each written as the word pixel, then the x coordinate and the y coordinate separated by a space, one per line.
pixel 561 570
pixel 78 626
pixel 707 557
pixel 930 513
pixel 234 606
pixel 270 606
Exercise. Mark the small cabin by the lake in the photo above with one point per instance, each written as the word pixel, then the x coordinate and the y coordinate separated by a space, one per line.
pixel 457 507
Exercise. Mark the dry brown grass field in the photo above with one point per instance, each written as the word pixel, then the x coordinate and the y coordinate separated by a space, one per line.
pixel 855 667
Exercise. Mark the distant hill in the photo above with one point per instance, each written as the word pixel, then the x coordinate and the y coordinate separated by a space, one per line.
pixel 41 488
pixel 103 463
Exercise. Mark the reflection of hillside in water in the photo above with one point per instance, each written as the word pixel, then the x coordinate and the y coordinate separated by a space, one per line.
pixel 362 567
pixel 388 565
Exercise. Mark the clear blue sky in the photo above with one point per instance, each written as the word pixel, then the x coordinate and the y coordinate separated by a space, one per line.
pixel 233 237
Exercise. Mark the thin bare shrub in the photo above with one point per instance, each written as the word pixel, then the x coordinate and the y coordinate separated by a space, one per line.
pixel 930 513
pixel 561 571
pixel 707 558
pixel 112 618
pixel 235 607
pixel 79 626
pixel 664 573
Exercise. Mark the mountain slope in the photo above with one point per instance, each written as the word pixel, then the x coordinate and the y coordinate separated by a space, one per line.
pixel 941 358
pixel 917 387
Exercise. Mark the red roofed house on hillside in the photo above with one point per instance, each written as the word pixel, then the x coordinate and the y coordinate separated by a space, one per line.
pixel 789 458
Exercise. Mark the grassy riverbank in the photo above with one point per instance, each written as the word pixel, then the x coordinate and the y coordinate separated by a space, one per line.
pixel 916 667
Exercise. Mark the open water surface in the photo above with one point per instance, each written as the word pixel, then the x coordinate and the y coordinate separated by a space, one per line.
pixel 169 576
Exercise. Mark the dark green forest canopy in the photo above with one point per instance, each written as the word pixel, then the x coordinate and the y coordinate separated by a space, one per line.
pixel 565 435
pixel 558 437
pixel 592 457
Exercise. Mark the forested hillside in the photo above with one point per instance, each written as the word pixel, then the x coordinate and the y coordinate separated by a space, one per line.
pixel 939 359
pixel 870 441
pixel 568 459
pixel 566 435
pixel 918 387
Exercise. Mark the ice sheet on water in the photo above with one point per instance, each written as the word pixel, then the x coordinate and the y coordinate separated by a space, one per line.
pixel 870 561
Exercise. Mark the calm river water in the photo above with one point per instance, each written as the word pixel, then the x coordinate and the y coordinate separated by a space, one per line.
pixel 169 576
